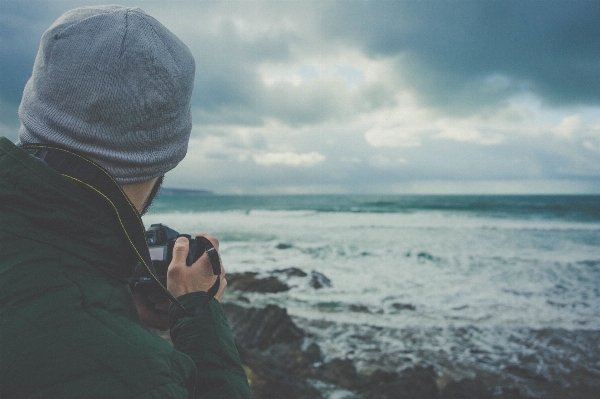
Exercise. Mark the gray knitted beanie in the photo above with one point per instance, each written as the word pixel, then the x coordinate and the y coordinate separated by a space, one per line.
pixel 113 84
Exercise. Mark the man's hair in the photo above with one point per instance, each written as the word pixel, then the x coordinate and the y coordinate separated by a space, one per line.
pixel 113 84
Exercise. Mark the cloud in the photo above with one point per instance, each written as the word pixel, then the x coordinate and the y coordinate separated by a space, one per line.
pixel 20 30
pixel 21 27
pixel 289 159
pixel 467 131
pixel 470 54
pixel 394 136
pixel 264 61
pixel 591 145
pixel 569 126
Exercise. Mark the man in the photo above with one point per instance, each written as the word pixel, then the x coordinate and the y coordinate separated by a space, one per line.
pixel 104 116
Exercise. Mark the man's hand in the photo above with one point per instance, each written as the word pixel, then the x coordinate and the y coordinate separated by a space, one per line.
pixel 182 279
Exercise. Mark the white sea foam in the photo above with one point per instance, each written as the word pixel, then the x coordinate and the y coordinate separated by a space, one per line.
pixel 418 269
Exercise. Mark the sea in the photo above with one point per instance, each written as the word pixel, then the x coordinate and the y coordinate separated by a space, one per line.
pixel 500 288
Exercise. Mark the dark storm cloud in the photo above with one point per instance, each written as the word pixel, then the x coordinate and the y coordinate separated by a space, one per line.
pixel 455 55
pixel 18 45
pixel 21 26
pixel 229 88
pixel 226 73
pixel 549 47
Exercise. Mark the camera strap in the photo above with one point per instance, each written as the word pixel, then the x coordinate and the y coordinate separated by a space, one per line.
pixel 215 261
pixel 93 176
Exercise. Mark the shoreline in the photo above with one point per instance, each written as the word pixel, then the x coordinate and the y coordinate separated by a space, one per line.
pixel 268 338
pixel 420 369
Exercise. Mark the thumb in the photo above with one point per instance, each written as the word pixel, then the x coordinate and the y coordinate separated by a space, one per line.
pixel 180 250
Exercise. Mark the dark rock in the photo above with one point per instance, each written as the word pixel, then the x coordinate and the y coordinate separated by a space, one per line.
pixel 582 392
pixel 273 383
pixel 424 256
pixel 403 306
pixel 291 272
pixel 525 373
pixel 340 372
pixel 379 377
pixel 318 280
pixel 271 350
pixel 466 388
pixel 269 344
pixel 313 353
pixel 414 383
pixel 248 282
pixel 280 364
pixel 511 393
pixel 288 358
pixel 359 308
pixel 261 328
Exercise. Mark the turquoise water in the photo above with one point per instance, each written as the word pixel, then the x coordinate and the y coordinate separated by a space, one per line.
pixel 581 208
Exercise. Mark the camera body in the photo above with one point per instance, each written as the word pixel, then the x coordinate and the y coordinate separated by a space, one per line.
pixel 161 240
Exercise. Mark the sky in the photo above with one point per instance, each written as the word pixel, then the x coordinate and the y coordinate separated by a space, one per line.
pixel 377 97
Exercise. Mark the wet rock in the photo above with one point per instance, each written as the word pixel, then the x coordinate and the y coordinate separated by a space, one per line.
pixel 467 388
pixel 318 280
pixel 340 372
pixel 290 272
pixel 403 306
pixel 359 308
pixel 313 353
pixel 272 383
pixel 422 256
pixel 270 347
pixel 248 282
pixel 526 373
pixel 415 383
pixel 261 328
pixel 282 361
pixel 279 365
pixel 511 393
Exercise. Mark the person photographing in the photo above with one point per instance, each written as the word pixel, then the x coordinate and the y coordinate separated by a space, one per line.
pixel 105 114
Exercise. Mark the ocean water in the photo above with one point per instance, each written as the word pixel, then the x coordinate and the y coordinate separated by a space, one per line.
pixel 501 286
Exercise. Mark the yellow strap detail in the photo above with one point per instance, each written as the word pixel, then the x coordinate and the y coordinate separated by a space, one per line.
pixel 120 222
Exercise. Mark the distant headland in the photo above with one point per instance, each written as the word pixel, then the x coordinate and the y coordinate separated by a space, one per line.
pixel 183 191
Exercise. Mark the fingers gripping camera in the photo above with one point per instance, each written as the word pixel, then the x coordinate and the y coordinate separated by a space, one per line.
pixel 161 240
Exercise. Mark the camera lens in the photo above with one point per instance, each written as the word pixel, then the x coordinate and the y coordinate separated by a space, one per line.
pixel 150 238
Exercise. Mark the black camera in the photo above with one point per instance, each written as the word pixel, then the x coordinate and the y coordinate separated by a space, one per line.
pixel 160 240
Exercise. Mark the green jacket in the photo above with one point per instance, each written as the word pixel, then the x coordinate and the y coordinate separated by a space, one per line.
pixel 68 324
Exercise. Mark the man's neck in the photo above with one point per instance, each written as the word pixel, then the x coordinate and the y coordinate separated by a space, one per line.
pixel 138 193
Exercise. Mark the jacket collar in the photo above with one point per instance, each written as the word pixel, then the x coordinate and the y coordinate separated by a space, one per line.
pixel 38 202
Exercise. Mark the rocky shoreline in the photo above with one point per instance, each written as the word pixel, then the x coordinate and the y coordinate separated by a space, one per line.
pixel 283 360
pixel 282 363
